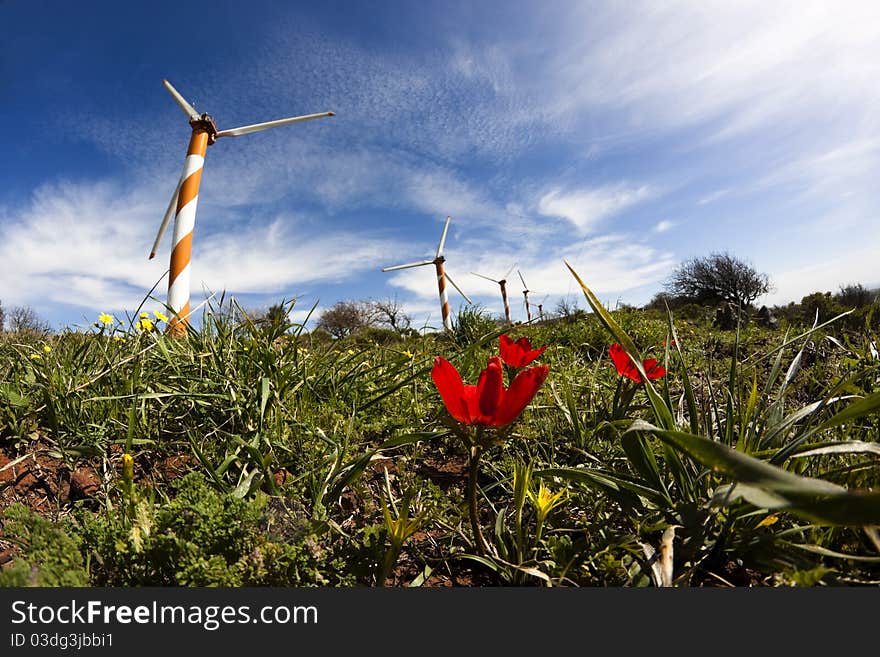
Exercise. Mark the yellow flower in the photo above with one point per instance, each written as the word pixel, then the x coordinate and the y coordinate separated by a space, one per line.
pixel 36 356
pixel 116 338
pixel 408 354
pixel 769 520
pixel 160 317
pixel 106 320
pixel 127 467
pixel 145 325
pixel 145 315
pixel 351 352
pixel 545 501
pixel 46 349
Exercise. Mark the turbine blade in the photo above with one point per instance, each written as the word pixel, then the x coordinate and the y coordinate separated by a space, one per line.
pixel 452 282
pixel 522 279
pixel 169 212
pixel 408 265
pixel 256 127
pixel 486 277
pixel 504 278
pixel 188 109
pixel 443 238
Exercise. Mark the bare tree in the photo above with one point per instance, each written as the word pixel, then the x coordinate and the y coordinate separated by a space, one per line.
pixel 716 278
pixel 345 317
pixel 390 313
pixel 24 319
pixel 567 308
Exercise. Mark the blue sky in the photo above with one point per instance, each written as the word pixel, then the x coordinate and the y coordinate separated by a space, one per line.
pixel 623 137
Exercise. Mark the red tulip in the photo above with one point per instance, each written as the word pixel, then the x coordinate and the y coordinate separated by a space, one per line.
pixel 626 367
pixel 519 353
pixel 487 403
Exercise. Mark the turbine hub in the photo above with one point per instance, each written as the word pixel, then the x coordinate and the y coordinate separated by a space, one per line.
pixel 205 123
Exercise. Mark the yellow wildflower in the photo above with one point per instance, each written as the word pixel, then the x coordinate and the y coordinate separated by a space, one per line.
pixel 116 338
pixel 127 468
pixel 160 316
pixel 36 356
pixel 408 354
pixel 106 320
pixel 46 349
pixel 545 501
pixel 145 315
pixel 769 520
pixel 351 352
pixel 145 325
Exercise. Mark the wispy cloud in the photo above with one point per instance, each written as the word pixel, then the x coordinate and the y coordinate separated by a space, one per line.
pixel 585 208
pixel 664 225
pixel 86 245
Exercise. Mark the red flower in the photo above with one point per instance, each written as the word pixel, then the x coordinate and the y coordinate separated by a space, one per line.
pixel 626 367
pixel 487 403
pixel 519 353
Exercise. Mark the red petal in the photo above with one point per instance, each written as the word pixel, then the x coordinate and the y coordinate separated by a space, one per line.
pixel 519 353
pixel 490 389
pixel 653 369
pixel 510 350
pixel 451 389
pixel 520 393
pixel 472 405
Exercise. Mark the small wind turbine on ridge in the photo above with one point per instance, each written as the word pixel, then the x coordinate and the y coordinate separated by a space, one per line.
pixel 540 306
pixel 525 295
pixel 503 284
pixel 442 277
pixel 185 198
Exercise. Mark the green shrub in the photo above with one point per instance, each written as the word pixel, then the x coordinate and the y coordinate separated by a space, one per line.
pixel 50 556
pixel 202 537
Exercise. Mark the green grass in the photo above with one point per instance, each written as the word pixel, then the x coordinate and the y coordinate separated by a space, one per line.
pixel 334 463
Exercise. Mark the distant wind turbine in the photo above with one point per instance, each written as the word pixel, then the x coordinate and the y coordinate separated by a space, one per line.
pixel 442 277
pixel 503 284
pixel 186 195
pixel 540 306
pixel 525 295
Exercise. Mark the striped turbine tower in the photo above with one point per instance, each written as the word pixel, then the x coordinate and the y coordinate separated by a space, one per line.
pixel 185 199
pixel 503 285
pixel 525 296
pixel 184 222
pixel 442 277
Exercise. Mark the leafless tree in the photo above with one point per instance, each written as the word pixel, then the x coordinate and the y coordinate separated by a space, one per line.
pixel 24 319
pixel 717 278
pixel 389 312
pixel 345 318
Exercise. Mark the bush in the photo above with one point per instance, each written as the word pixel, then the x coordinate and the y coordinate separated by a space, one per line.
pixel 205 538
pixel 50 556
pixel 472 324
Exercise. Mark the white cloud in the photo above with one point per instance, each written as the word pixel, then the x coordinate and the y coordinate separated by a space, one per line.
pixel 712 197
pixel 86 246
pixel 663 226
pixel 587 207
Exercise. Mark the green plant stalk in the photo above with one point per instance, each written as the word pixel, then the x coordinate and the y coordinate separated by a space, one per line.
pixel 476 453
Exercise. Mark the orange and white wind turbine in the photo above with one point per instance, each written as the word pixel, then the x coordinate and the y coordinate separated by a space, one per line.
pixel 186 196
pixel 540 306
pixel 503 284
pixel 442 277
pixel 525 295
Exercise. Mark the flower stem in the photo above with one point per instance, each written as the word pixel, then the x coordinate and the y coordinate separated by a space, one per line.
pixel 473 471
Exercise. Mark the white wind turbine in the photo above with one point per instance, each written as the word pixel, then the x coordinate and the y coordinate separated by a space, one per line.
pixel 502 282
pixel 540 306
pixel 185 198
pixel 525 296
pixel 442 277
